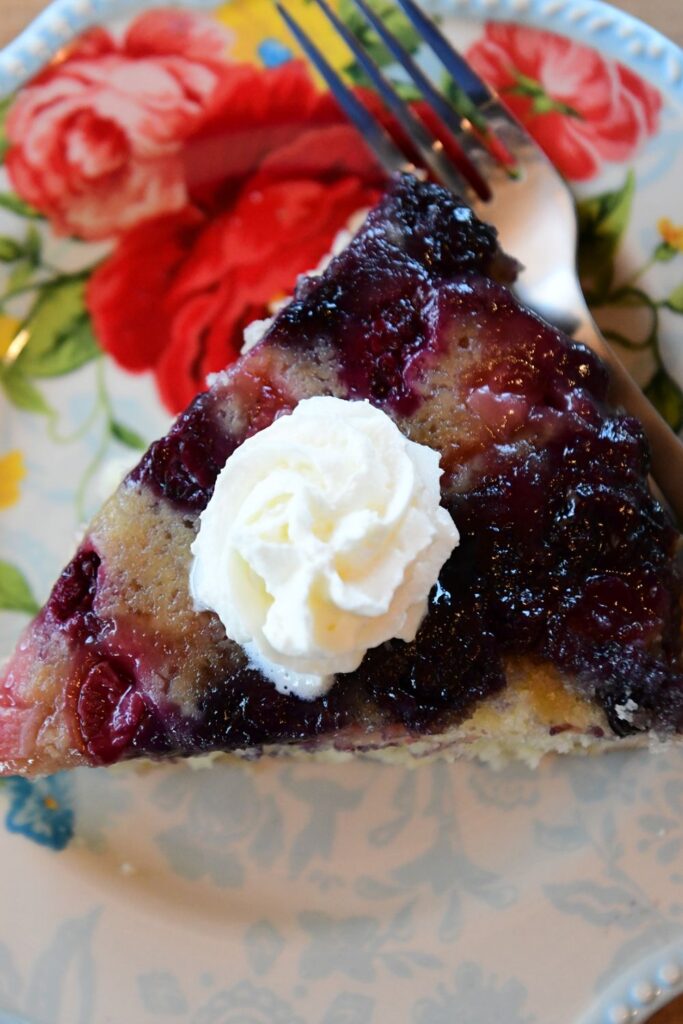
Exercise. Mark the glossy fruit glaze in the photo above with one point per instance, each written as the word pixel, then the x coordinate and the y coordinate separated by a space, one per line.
pixel 565 556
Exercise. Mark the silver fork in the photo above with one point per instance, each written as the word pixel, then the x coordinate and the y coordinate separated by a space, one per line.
pixel 523 196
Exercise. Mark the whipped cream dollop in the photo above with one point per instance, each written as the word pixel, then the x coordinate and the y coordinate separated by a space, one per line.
pixel 323 538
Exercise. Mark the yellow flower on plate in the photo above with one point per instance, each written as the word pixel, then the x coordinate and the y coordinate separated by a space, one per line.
pixel 9 328
pixel 262 37
pixel 671 233
pixel 12 472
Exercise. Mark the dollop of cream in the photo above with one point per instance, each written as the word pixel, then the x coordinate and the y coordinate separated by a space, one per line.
pixel 322 539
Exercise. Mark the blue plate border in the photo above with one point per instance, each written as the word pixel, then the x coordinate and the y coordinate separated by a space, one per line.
pixel 615 33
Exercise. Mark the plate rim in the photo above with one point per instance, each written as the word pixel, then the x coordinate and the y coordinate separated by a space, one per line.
pixel 640 990
pixel 600 25
pixel 614 33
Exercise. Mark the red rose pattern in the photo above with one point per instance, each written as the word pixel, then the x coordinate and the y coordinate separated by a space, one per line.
pixel 273 174
pixel 219 183
pixel 95 141
pixel 178 292
pixel 581 108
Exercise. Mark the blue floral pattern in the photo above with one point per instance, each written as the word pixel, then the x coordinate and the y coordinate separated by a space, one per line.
pixel 161 994
pixel 479 999
pixel 273 53
pixel 42 810
pixel 246 1003
pixel 443 867
pixel 358 945
pixel 221 813
pixel 59 983
pixel 264 943
pixel 350 1008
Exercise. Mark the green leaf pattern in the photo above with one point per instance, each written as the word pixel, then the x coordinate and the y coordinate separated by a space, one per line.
pixel 10 249
pixel 54 337
pixel 675 300
pixel 4 144
pixel 127 436
pixel 21 392
pixel 603 220
pixel 60 337
pixel 665 394
pixel 395 21
pixel 10 201
pixel 15 592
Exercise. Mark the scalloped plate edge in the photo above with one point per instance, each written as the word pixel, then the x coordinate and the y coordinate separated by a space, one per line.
pixel 641 990
pixel 613 32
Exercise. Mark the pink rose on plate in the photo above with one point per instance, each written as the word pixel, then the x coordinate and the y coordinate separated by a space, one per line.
pixel 95 140
pixel 580 108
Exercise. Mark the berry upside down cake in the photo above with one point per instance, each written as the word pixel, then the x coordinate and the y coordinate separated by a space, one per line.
pixel 406 523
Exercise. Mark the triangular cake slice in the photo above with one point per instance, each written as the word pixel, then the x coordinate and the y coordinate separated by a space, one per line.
pixel 555 624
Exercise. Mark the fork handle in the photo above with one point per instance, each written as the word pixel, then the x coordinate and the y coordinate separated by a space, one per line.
pixel 665 446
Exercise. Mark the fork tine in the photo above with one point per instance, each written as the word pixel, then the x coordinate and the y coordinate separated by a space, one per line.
pixel 480 137
pixel 445 111
pixel 389 155
pixel 475 88
pixel 424 142
pixel 460 127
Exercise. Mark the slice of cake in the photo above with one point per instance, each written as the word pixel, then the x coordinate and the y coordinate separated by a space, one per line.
pixel 555 621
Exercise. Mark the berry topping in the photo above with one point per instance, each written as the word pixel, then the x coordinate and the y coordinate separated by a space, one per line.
pixel 74 591
pixel 183 466
pixel 565 558
pixel 564 553
pixel 109 711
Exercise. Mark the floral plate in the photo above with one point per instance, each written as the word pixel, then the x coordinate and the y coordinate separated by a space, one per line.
pixel 165 179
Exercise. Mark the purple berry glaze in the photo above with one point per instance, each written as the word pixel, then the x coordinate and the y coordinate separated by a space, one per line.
pixel 564 555
pixel 183 465
pixel 109 711
pixel 74 591
pixel 373 304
